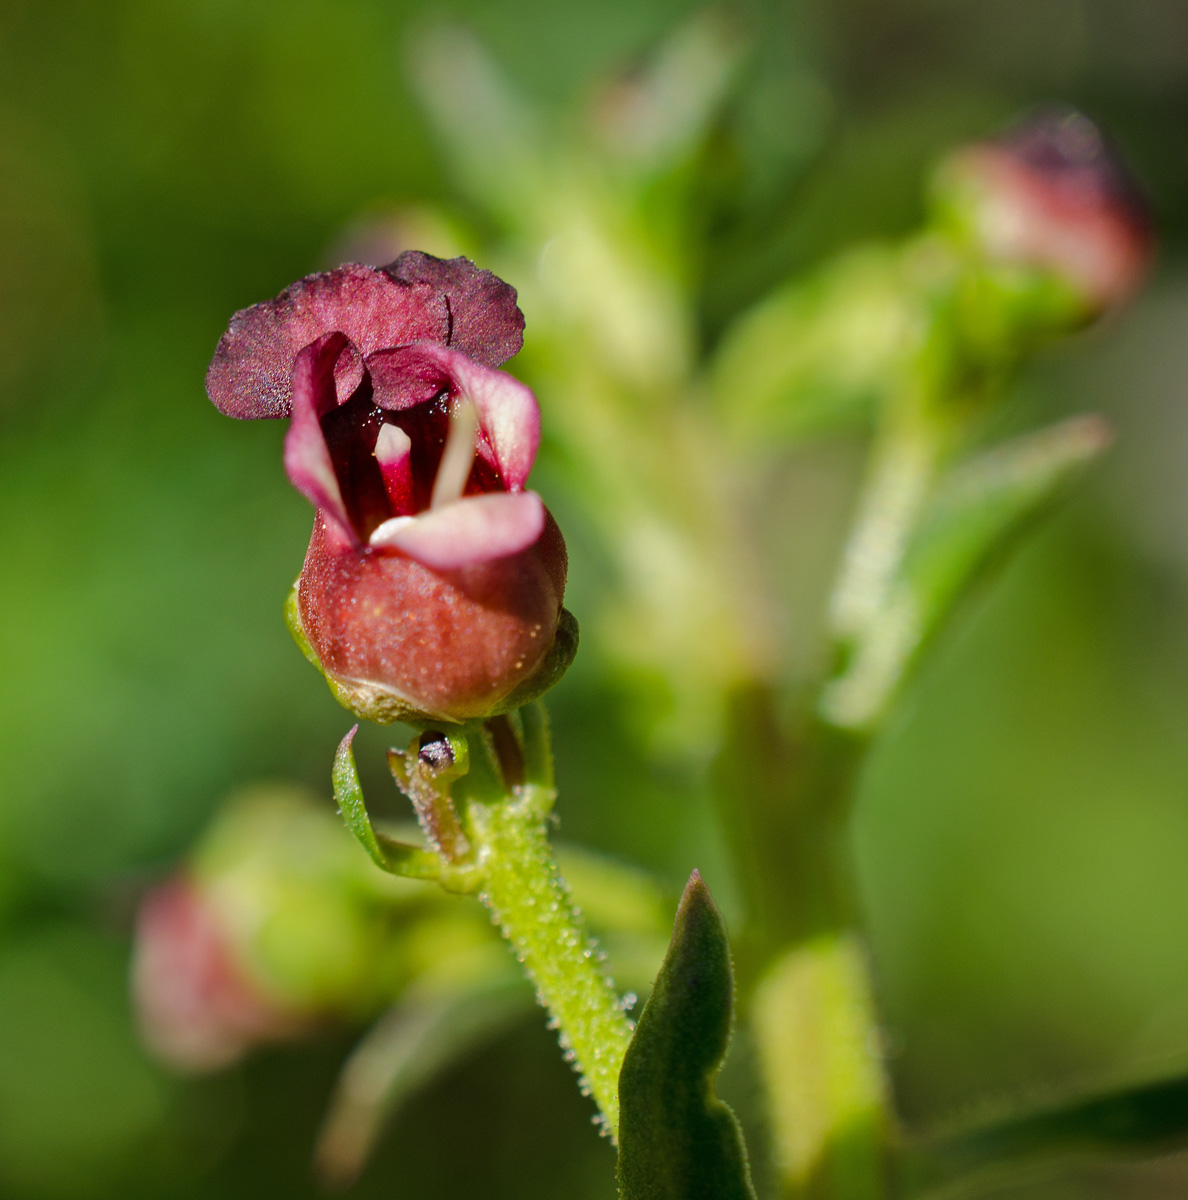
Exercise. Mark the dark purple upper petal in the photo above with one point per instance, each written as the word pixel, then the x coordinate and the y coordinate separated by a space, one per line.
pixel 251 372
pixel 485 323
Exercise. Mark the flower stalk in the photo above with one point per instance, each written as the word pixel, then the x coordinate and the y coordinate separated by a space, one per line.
pixel 529 901
pixel 484 799
pixel 506 800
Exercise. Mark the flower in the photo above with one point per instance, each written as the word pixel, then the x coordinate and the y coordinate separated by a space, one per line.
pixel 433 583
pixel 1052 193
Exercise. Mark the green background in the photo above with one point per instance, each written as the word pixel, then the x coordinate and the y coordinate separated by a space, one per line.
pixel 1023 827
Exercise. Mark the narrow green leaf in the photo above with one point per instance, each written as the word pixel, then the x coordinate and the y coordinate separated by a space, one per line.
pixel 985 504
pixel 661 111
pixel 490 133
pixel 677 1140
pixel 1139 1121
pixel 978 514
pixel 397 858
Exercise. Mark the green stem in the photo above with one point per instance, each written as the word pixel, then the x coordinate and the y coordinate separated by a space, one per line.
pixel 498 845
pixel 523 888
pixel 812 1009
pixel 815 1026
pixel 900 473
pixel 784 799
pixel 802 970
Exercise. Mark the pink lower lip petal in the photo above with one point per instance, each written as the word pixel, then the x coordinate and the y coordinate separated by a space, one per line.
pixel 472 530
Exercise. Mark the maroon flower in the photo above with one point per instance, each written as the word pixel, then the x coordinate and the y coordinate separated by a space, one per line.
pixel 433 584
pixel 1053 193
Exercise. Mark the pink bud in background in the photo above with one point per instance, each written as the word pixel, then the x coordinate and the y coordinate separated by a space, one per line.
pixel 197 1007
pixel 1052 193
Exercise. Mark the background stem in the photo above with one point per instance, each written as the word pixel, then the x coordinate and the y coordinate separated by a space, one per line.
pixel 814 1023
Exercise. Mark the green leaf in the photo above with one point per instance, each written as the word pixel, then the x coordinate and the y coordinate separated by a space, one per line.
pixel 397 858
pixel 406 1049
pixel 492 136
pixel 979 513
pixel 1139 1121
pixel 986 504
pixel 654 117
pixel 677 1140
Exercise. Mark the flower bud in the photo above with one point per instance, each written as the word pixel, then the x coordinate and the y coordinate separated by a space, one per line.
pixel 198 1008
pixel 1052 194
pixel 433 583
pixel 275 925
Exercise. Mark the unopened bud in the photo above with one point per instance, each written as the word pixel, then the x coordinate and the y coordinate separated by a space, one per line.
pixel 1053 194
pixel 198 1007
pixel 275 925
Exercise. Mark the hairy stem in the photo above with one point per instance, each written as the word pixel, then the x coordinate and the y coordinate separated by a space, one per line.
pixel 528 899
pixel 498 845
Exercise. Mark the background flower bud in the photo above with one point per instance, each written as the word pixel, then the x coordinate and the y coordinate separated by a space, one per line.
pixel 274 925
pixel 1053 194
pixel 198 1008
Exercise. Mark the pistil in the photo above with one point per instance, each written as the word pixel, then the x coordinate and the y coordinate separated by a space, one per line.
pixel 393 453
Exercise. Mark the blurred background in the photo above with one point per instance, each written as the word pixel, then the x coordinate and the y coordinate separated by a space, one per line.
pixel 1023 827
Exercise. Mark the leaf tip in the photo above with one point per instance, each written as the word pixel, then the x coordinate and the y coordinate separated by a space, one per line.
pixel 696 899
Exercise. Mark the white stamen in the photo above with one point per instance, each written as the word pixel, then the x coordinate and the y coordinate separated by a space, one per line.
pixel 458 456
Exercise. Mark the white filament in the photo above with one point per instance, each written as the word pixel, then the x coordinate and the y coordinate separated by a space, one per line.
pixel 458 456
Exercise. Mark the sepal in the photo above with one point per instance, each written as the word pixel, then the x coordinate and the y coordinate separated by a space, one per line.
pixel 552 667
pixel 395 857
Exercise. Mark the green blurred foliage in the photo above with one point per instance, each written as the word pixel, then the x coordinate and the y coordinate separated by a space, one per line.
pixel 1024 826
